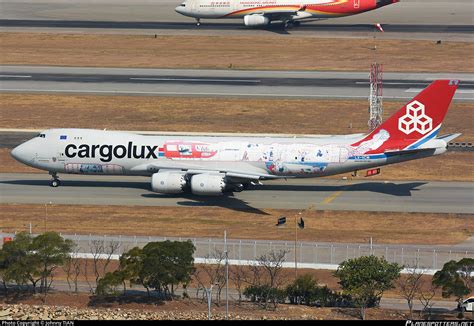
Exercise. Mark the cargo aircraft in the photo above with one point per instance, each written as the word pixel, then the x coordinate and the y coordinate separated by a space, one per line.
pixel 214 165
pixel 257 13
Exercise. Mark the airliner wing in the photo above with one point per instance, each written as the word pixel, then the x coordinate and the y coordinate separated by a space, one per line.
pixel 235 170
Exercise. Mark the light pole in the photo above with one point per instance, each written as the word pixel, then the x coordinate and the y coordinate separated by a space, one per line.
pixel 46 214
pixel 209 296
pixel 296 240
pixel 226 277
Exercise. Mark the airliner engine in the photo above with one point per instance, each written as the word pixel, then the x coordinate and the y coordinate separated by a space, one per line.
pixel 168 182
pixel 256 20
pixel 208 184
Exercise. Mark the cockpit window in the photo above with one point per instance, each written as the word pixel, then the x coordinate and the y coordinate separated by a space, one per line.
pixel 41 135
pixel 183 4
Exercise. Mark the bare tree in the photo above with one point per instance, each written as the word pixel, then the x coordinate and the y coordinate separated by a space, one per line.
pixel 199 278
pixel 426 299
pixel 410 286
pixel 272 264
pixel 102 252
pixel 214 268
pixel 239 275
pixel 86 275
pixel 72 267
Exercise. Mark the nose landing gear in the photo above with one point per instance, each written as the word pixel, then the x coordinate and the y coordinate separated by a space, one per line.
pixel 198 22
pixel 55 181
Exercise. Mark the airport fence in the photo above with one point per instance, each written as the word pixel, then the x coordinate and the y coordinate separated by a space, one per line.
pixel 308 254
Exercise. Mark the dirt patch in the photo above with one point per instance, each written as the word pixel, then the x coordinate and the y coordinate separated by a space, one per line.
pixel 83 306
pixel 321 226
pixel 239 52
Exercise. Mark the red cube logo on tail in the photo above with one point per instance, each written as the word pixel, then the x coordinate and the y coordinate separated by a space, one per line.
pixel 415 119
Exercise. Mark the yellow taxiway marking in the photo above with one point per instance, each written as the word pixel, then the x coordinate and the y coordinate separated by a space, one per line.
pixel 333 196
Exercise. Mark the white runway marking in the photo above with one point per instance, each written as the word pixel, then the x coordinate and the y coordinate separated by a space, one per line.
pixel 199 79
pixel 14 76
pixel 188 93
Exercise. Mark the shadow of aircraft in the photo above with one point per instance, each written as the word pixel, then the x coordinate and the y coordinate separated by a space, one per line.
pixel 401 189
pixel 226 201
pixel 390 188
pixel 85 183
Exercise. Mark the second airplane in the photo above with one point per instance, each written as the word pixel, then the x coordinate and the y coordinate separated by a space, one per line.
pixel 258 13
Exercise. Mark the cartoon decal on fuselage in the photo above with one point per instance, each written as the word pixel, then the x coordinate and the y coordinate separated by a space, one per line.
pixel 279 158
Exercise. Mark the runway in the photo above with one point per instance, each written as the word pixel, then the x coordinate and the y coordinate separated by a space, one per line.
pixel 325 194
pixel 408 19
pixel 234 83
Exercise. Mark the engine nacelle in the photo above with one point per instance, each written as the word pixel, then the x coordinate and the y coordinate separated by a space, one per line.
pixel 168 182
pixel 208 184
pixel 256 20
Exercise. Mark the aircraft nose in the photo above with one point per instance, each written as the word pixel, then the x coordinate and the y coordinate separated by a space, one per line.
pixel 21 153
pixel 179 9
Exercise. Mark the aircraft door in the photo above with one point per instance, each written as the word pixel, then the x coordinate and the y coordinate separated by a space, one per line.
pixel 356 4
pixel 194 4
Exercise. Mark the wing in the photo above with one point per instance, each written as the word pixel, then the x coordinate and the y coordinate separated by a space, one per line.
pixel 236 171
pixel 284 13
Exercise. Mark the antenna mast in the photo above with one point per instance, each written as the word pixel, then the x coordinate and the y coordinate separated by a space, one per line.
pixel 376 95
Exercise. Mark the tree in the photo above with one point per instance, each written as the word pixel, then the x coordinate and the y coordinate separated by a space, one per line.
pixel 131 263
pixel 410 286
pixel 214 269
pixel 27 259
pixel 365 279
pixel 108 285
pixel 167 264
pixel 102 252
pixel 72 267
pixel 455 279
pixel 266 280
pixel 302 290
pixel 239 276
pixel 20 263
pixel 51 251
pixel 426 299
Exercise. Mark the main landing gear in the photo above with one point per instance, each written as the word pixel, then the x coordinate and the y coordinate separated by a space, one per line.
pixel 291 23
pixel 55 181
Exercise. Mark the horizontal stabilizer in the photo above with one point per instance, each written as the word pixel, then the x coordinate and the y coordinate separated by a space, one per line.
pixel 449 137
pixel 408 151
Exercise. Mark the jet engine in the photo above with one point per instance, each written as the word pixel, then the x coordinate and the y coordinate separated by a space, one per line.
pixel 208 184
pixel 168 182
pixel 256 20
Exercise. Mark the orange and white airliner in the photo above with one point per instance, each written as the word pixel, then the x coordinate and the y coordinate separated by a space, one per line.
pixel 257 13
pixel 213 165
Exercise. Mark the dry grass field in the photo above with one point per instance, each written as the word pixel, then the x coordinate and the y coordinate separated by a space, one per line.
pixel 330 226
pixel 241 52
pixel 289 116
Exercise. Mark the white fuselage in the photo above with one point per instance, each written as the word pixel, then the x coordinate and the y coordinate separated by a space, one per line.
pixel 84 151
pixel 283 10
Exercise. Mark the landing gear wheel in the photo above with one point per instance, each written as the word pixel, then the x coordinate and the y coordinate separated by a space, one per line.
pixel 198 22
pixel 55 183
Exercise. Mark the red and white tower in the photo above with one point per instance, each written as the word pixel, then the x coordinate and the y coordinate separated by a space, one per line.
pixel 376 95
